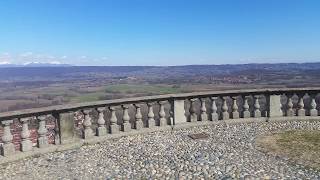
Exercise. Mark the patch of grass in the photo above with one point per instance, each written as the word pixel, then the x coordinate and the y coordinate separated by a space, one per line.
pixel 87 97
pixel 301 147
pixel 131 88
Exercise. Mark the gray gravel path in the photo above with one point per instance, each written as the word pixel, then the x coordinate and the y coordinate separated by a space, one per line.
pixel 229 153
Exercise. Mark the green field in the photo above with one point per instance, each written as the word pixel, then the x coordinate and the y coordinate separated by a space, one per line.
pixel 126 90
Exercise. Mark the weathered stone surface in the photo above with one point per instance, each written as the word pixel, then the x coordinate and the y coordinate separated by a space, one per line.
pixel 214 108
pixel 101 129
pixel 275 106
pixel 7 149
pixel 125 127
pixel 179 112
pixel 114 129
pixel 229 152
pixel 66 121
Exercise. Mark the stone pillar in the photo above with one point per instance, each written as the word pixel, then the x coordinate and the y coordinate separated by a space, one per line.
pixel 257 112
pixel 8 147
pixel 235 113
pixel 203 109
pixel 101 129
pixel 162 114
pixel 66 127
pixel 179 112
pixel 290 111
pixel 26 144
pixel 246 112
pixel 193 116
pixel 313 110
pixel 214 114
pixel 151 121
pixel 274 106
pixel 225 113
pixel 138 117
pixel 114 127
pixel 87 132
pixel 42 132
pixel 126 126
pixel 301 110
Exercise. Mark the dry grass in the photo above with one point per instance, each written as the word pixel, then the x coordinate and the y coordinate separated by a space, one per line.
pixel 301 147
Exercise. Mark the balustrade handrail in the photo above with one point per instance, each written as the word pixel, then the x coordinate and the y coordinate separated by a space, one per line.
pixel 116 102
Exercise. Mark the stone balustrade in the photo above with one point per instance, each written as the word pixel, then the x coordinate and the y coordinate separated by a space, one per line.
pixel 113 118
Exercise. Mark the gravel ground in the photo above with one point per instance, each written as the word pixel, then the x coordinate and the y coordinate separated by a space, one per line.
pixel 228 153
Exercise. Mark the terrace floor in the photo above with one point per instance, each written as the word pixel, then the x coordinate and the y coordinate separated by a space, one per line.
pixel 229 152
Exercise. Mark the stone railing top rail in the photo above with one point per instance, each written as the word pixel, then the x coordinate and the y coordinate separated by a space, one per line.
pixel 115 102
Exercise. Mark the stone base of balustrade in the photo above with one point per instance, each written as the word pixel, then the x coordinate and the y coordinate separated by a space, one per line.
pixel 7 149
pixel 235 115
pixel 162 122
pixel 26 145
pixel 204 117
pixel 101 131
pixel 151 123
pixel 11 155
pixel 139 125
pixel 246 114
pixel 301 112
pixel 257 114
pixel 125 127
pixel 114 129
pixel 313 112
pixel 225 116
pixel 193 118
pixel 43 142
pixel 214 117
pixel 87 133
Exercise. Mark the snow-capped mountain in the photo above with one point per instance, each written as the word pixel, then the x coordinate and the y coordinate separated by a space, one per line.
pixel 34 64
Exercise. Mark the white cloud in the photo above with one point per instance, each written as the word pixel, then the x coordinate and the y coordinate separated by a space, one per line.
pixel 55 62
pixel 4 62
pixel 83 57
pixel 63 57
pixel 26 54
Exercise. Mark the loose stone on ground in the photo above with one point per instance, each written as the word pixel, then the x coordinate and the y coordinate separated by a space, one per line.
pixel 229 152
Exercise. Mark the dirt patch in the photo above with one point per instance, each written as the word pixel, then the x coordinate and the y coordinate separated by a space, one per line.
pixel 302 147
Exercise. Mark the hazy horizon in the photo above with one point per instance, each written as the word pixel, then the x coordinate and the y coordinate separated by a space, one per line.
pixel 159 33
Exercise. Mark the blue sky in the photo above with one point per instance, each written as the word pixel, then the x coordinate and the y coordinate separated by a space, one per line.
pixel 159 32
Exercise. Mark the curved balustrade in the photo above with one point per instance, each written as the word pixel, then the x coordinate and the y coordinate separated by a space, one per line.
pixel 111 117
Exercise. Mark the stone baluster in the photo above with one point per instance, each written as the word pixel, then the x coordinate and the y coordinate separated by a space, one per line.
pixel 203 109
pixel 138 117
pixel 214 108
pixel 235 113
pixel 246 112
pixel 8 147
pixel 87 132
pixel 290 111
pixel 26 144
pixel 193 115
pixel 225 113
pixel 301 110
pixel 42 132
pixel 113 127
pixel 162 114
pixel 101 129
pixel 151 121
pixel 171 116
pixel 257 112
pixel 281 111
pixel 313 110
pixel 126 125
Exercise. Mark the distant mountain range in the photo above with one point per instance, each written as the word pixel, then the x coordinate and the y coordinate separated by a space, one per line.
pixel 66 71
pixel 34 64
